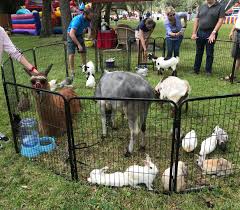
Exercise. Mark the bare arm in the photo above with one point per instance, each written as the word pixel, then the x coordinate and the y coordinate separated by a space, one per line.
pixel 141 37
pixel 212 37
pixel 219 24
pixel 9 47
pixel 72 34
pixel 89 32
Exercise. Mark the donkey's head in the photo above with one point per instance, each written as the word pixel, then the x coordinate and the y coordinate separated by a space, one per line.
pixel 40 80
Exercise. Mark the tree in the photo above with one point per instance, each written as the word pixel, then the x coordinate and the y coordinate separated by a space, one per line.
pixel 46 29
pixel 107 12
pixel 96 21
pixel 65 16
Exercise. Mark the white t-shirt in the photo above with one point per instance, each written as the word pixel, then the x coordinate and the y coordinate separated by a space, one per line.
pixel 237 25
pixel 7 46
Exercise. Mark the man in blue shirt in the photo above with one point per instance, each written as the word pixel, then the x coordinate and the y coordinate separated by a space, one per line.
pixel 77 27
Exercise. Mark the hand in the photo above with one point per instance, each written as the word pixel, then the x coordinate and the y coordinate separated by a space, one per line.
pixel 178 33
pixel 231 36
pixel 212 38
pixel 194 36
pixel 80 48
pixel 35 71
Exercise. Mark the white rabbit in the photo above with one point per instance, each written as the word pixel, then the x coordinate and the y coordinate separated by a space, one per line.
pixel 208 145
pixel 142 174
pixel 88 68
pixel 117 179
pixel 181 174
pixel 91 81
pixel 217 166
pixel 189 143
pixel 53 84
pixel 222 137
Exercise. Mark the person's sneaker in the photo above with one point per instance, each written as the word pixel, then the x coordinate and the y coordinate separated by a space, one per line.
pixel 195 72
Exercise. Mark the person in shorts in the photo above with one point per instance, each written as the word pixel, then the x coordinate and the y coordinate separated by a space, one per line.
pixel 235 37
pixel 76 30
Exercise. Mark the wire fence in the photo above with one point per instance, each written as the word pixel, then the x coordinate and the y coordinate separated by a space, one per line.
pixel 48 131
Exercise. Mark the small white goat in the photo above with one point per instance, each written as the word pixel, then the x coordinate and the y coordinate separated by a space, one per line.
pixel 162 64
pixel 181 174
pixel 173 88
pixel 90 81
pixel 88 68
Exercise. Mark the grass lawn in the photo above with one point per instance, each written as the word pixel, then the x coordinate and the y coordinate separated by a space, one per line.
pixel 26 185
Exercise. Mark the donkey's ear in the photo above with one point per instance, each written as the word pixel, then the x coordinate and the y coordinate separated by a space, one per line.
pixel 48 70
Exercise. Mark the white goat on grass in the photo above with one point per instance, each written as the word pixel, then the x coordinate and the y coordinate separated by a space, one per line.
pixel 162 64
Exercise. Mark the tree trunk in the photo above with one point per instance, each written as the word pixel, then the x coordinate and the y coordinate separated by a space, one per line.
pixel 65 16
pixel 46 19
pixel 107 13
pixel 96 21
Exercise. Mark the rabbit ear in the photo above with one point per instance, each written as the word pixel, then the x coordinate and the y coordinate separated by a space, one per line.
pixel 148 158
pixel 104 168
pixel 146 163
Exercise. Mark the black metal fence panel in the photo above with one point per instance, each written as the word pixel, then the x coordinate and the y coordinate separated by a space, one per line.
pixel 211 148
pixel 40 126
pixel 92 151
pixel 70 141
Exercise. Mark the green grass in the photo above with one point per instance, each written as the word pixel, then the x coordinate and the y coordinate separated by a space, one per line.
pixel 28 185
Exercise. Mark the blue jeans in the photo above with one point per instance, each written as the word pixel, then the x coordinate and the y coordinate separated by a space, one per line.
pixel 201 42
pixel 173 46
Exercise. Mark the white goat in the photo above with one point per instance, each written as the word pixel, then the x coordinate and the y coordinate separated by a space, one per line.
pixel 88 68
pixel 162 64
pixel 90 81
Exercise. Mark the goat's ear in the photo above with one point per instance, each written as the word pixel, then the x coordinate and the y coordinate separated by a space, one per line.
pixel 46 72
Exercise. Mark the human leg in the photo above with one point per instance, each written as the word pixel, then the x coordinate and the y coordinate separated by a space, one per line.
pixel 169 43
pixel 200 44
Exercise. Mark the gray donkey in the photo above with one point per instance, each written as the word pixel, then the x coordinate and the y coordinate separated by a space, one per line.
pixel 125 85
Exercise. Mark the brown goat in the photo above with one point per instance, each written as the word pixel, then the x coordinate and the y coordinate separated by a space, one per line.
pixel 51 107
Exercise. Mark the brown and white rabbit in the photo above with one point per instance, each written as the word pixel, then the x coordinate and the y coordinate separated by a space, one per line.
pixel 217 166
pixel 181 174
pixel 142 174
